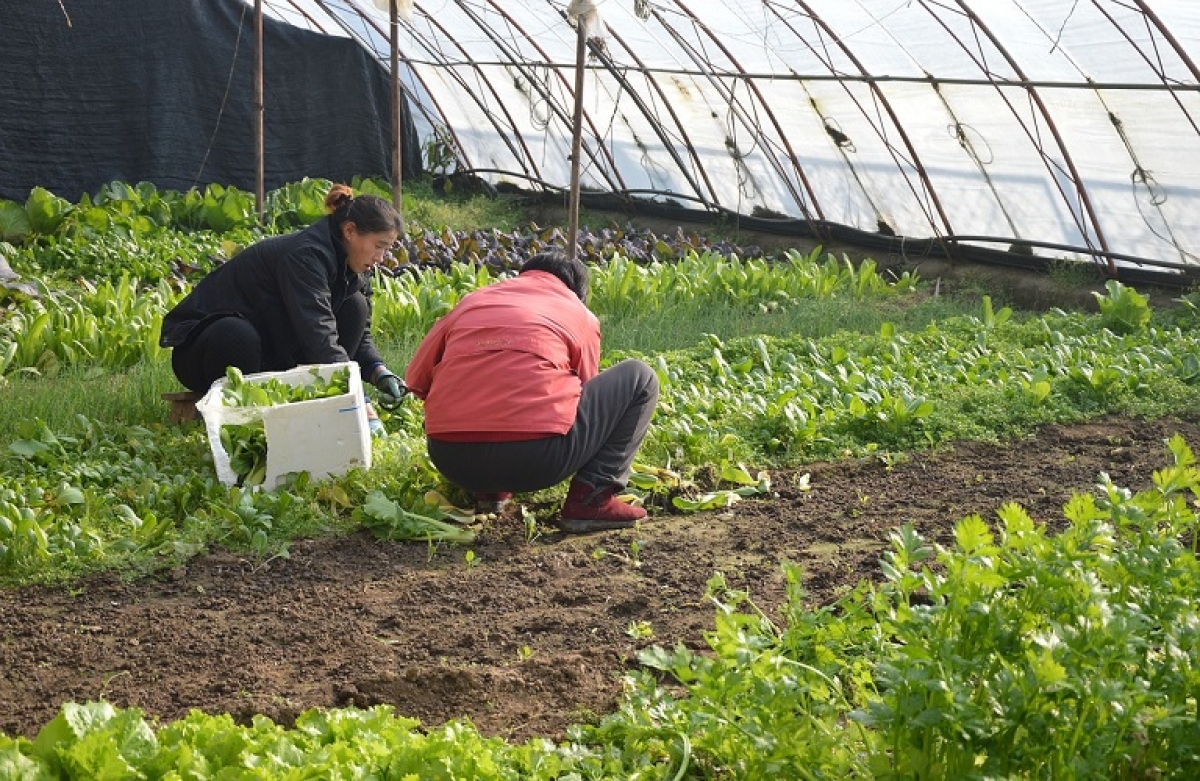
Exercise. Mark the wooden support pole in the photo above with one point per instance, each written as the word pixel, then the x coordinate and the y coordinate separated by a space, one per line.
pixel 397 128
pixel 576 142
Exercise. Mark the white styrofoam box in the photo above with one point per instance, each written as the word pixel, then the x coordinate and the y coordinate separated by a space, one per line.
pixel 323 437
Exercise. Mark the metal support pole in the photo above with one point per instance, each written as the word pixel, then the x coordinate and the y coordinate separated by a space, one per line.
pixel 576 142
pixel 260 154
pixel 397 129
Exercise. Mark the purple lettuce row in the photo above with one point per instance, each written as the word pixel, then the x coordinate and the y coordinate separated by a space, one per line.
pixel 503 251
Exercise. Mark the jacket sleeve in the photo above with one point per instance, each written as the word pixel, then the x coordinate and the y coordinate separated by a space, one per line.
pixel 368 356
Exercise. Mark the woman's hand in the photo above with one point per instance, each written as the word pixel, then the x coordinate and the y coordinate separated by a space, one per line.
pixel 392 390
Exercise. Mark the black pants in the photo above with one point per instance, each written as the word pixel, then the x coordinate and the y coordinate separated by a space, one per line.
pixel 611 422
pixel 233 341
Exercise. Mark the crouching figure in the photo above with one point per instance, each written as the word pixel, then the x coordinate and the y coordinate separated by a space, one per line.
pixel 515 402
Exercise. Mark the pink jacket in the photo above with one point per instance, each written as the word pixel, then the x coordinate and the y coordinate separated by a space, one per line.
pixel 507 363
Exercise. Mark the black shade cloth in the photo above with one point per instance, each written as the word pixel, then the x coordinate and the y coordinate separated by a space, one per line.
pixel 163 91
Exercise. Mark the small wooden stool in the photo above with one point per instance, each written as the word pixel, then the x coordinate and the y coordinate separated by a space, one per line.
pixel 183 405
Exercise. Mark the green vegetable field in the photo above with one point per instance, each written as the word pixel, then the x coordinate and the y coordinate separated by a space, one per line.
pixel 898 529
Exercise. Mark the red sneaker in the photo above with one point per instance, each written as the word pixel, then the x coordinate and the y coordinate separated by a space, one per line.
pixel 488 503
pixel 588 510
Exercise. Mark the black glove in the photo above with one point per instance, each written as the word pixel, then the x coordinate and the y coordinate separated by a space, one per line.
pixel 392 390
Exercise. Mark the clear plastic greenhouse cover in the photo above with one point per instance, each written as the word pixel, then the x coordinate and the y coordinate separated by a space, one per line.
pixel 1070 125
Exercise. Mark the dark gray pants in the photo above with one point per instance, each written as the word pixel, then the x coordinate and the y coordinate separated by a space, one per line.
pixel 612 420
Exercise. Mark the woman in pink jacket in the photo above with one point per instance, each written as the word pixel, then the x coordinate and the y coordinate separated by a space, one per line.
pixel 515 401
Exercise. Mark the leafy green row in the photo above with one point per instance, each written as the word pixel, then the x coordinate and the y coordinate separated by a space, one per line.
pixel 622 284
pixel 115 323
pixel 150 234
pixel 100 495
pixel 791 400
pixel 106 497
pixel 109 256
pixel 144 211
pixel 111 325
pixel 1015 655
pixel 163 234
pixel 1018 654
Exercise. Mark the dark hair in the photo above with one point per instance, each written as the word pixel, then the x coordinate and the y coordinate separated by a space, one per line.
pixel 572 271
pixel 369 213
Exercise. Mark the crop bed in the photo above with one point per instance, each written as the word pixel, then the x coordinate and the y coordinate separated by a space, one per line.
pixel 894 598
pixel 530 636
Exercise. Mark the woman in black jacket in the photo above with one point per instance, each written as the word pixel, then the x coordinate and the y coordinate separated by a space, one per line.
pixel 302 298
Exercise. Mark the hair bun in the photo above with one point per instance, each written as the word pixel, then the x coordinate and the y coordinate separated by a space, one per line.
pixel 339 195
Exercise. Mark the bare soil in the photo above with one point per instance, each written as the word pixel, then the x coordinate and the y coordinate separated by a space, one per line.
pixel 534 636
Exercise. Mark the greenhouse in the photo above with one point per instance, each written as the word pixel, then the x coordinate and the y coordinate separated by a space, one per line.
pixel 877 320
pixel 1065 127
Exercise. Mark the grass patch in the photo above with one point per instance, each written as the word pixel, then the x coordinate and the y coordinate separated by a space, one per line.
pixel 436 211
pixel 130 397
pixel 685 325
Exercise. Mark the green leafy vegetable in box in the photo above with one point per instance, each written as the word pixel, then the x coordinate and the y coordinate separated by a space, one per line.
pixel 239 392
pixel 246 443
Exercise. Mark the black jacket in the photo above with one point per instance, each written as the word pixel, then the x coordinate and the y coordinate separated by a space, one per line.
pixel 288 288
